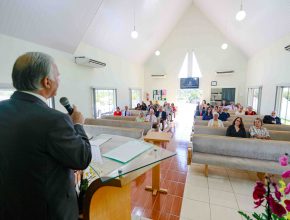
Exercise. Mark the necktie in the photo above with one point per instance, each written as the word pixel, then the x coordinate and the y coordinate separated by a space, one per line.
pixel 125 113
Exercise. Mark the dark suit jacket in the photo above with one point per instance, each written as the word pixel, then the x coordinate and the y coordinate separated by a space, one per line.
pixel 39 148
pixel 163 115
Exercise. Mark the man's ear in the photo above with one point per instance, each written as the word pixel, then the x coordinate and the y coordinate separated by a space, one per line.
pixel 46 83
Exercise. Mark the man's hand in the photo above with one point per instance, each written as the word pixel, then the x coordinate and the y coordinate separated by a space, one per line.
pixel 77 116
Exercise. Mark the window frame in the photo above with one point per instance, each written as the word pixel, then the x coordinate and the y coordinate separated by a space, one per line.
pixel 278 100
pixel 260 90
pixel 130 96
pixel 94 89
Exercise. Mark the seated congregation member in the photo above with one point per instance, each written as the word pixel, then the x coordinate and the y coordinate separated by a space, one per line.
pixel 140 117
pixel 272 119
pixel 118 112
pixel 224 115
pixel 250 111
pixel 126 112
pixel 138 107
pixel 240 111
pixel 237 129
pixel 215 109
pixel 155 127
pixel 151 117
pixel 208 114
pixel 143 106
pixel 168 110
pixel 215 122
pixel 149 105
pixel 257 131
pixel 173 107
pixel 231 106
pixel 161 115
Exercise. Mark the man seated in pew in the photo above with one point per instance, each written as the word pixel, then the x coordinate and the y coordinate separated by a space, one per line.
pixel 117 112
pixel 223 114
pixel 126 111
pixel 240 111
pixel 208 114
pixel 258 131
pixel 151 117
pixel 250 111
pixel 140 117
pixel 215 122
pixel 272 119
pixel 237 129
pixel 162 116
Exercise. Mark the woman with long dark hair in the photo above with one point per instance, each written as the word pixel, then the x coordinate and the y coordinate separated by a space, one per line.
pixel 237 129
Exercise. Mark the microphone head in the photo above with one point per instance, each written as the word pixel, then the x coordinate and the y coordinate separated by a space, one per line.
pixel 64 101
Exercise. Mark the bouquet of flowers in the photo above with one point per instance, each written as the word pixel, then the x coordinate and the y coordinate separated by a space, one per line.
pixel 272 196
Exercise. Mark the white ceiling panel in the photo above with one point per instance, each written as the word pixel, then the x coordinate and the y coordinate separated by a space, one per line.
pixel 113 24
pixel 266 21
pixel 59 24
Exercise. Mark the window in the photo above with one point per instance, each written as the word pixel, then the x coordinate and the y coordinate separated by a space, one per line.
pixel 5 93
pixel 282 103
pixel 104 101
pixel 254 98
pixel 7 90
pixel 135 97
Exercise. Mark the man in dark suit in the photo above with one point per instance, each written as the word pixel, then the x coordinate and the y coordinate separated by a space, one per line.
pixel 272 119
pixel 161 116
pixel 39 146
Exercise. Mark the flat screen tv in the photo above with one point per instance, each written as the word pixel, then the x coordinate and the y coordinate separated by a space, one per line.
pixel 189 83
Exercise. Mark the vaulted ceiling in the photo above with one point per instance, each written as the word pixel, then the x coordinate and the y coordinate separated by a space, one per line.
pixel 106 24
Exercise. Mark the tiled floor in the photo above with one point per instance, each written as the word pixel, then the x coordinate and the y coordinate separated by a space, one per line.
pixel 218 196
pixel 173 176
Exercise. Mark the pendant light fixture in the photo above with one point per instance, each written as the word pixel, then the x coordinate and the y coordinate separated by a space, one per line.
pixel 134 33
pixel 241 14
pixel 157 52
pixel 224 46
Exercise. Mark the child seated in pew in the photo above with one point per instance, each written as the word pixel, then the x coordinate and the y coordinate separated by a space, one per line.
pixel 237 129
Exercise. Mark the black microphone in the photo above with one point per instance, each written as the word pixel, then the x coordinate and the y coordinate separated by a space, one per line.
pixel 64 101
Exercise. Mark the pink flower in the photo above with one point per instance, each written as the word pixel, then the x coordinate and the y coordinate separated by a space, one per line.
pixel 283 160
pixel 286 174
pixel 287 203
pixel 278 195
pixel 276 208
pixel 287 189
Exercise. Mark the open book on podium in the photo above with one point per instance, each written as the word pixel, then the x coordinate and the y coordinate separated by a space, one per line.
pixel 128 151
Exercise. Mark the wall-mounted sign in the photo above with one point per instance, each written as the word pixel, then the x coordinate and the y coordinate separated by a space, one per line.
pixel 189 83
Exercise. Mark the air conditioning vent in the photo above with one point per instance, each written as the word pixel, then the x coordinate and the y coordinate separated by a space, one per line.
pixel 287 48
pixel 158 76
pixel 226 72
pixel 89 62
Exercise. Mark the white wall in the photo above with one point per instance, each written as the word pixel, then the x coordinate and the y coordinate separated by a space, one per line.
pixel 270 68
pixel 195 32
pixel 76 80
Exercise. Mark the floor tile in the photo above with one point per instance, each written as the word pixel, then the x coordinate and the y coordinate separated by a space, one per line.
pixel 196 193
pixel 222 184
pixel 223 213
pixel 242 186
pixel 223 198
pixel 197 181
pixel 195 210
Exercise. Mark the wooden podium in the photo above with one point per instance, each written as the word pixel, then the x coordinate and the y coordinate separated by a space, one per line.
pixel 108 197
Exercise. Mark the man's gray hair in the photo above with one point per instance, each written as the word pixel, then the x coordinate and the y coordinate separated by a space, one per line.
pixel 29 69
